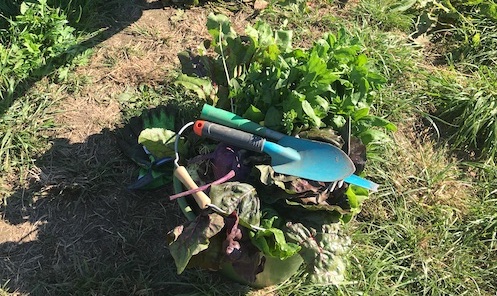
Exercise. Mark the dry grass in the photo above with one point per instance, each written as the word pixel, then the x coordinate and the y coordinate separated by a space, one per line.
pixel 418 167
pixel 148 48
pixel 76 223
pixel 433 177
pixel 80 117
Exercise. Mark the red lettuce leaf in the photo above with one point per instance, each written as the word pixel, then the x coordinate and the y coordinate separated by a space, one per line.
pixel 239 253
pixel 231 244
pixel 193 237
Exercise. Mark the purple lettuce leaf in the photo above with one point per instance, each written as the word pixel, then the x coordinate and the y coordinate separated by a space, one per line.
pixel 193 237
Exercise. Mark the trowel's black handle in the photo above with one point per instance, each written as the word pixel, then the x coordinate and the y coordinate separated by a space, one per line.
pixel 229 135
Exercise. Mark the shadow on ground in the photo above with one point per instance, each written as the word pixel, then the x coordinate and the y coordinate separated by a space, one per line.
pixel 87 234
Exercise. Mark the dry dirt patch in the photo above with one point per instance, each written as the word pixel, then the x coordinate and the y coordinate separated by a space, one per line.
pixel 21 233
pixel 146 50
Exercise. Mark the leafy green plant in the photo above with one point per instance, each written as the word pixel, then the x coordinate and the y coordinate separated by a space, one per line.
pixel 266 80
pixel 34 37
pixel 316 93
pixel 323 251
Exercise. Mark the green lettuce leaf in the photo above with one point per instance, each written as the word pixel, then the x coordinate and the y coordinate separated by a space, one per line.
pixel 323 252
pixel 272 242
pixel 158 141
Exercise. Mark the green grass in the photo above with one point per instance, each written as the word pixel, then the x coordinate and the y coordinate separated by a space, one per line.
pixel 463 32
pixel 308 22
pixel 22 127
pixel 416 236
pixel 467 107
pixel 468 33
pixel 384 14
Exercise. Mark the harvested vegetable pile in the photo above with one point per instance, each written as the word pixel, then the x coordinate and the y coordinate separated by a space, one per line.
pixel 257 218
pixel 270 215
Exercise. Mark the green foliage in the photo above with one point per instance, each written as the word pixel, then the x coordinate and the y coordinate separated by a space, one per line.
pixel 240 198
pixel 158 141
pixel 34 37
pixel 323 251
pixel 272 242
pixel 314 197
pixel 204 89
pixel 8 9
pixel 327 87
pixel 158 132
pixel 290 89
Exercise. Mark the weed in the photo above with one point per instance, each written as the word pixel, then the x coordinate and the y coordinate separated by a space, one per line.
pixel 384 14
pixel 464 30
pixel 468 106
pixel 22 127
pixel 149 32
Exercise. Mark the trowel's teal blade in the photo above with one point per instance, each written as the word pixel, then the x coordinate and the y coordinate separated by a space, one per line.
pixel 324 161
pixel 313 161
